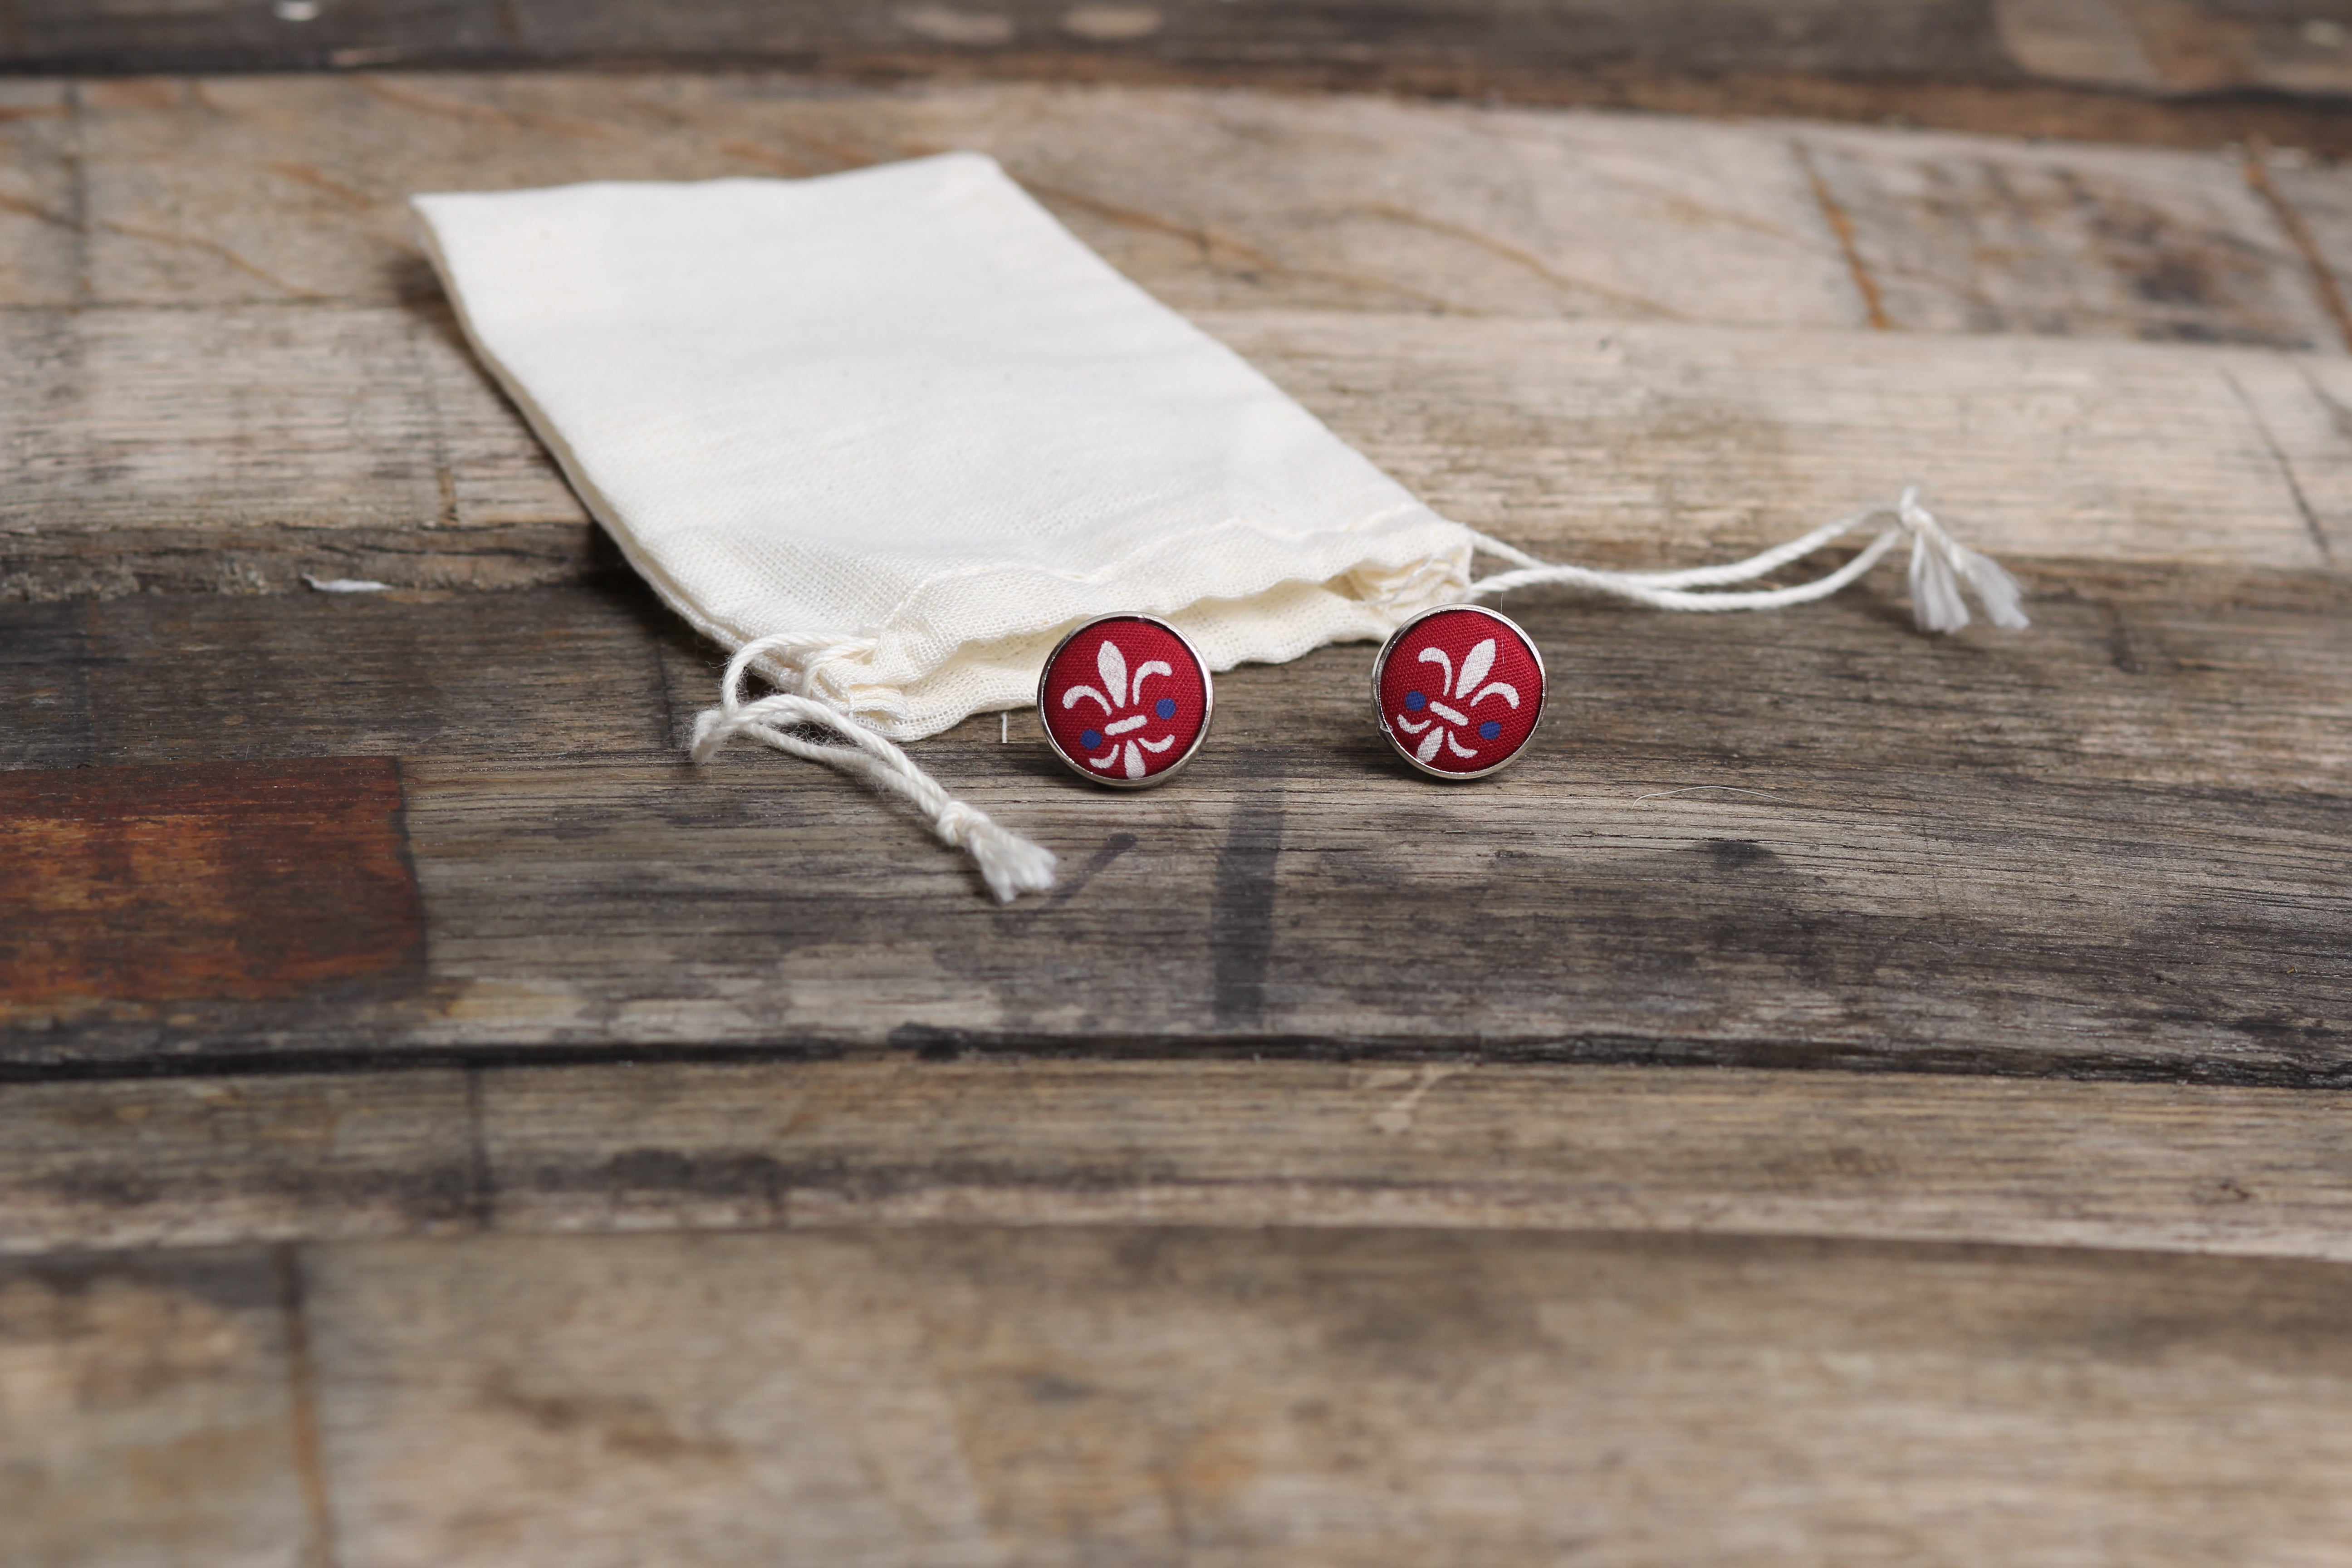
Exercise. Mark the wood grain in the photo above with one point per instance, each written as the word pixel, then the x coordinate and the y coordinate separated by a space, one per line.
pixel 324 420
pixel 1607 443
pixel 983 1394
pixel 205 881
pixel 1212 199
pixel 1260 1195
pixel 2132 46
pixel 896 1140
pixel 1960 233
pixel 2150 45
pixel 195 1162
pixel 1075 1395
pixel 1941 38
pixel 181 191
pixel 149 1413
pixel 2110 845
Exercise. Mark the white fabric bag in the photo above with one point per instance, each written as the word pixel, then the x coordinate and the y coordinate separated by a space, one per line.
pixel 888 435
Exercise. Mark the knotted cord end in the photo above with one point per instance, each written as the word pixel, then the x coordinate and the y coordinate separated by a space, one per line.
pixel 1940 563
pixel 1009 864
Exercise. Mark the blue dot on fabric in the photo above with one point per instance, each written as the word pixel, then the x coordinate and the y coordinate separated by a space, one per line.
pixel 1166 707
pixel 1415 701
pixel 1489 729
pixel 1090 738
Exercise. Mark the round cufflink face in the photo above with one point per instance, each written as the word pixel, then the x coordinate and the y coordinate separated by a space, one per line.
pixel 1126 700
pixel 1458 690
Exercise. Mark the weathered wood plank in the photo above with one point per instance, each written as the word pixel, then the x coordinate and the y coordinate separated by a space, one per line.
pixel 41 243
pixel 1213 200
pixel 1970 234
pixel 149 1413
pixel 45 671
pixel 1222 201
pixel 2314 202
pixel 1561 434
pixel 1948 39
pixel 243 448
pixel 180 1163
pixel 1154 1395
pixel 575 670
pixel 1890 917
pixel 237 450
pixel 2151 46
pixel 215 880
pixel 2133 46
pixel 1061 1395
pixel 2110 845
pixel 2139 1166
pixel 895 1140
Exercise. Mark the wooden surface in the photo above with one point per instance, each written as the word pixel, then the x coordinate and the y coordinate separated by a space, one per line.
pixel 2184 72
pixel 2109 846
pixel 693 1144
pixel 437 1125
pixel 955 1312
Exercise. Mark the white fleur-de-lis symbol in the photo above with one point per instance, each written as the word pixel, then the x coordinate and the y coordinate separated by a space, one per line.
pixel 1116 696
pixel 1442 716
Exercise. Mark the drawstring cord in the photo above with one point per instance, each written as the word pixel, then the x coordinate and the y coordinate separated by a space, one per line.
pixel 1939 566
pixel 1009 864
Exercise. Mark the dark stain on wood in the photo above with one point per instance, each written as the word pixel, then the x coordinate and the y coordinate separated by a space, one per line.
pixel 212 880
pixel 45 666
pixel 239 1282
pixel 1731 854
pixel 1241 920
pixel 1074 882
pixel 427 1196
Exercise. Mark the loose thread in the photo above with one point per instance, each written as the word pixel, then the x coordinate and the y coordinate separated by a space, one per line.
pixel 1009 864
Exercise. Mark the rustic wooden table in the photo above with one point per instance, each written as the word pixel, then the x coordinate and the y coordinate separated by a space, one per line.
pixel 441 1127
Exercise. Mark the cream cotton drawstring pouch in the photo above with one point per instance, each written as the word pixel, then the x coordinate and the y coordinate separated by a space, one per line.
pixel 887 435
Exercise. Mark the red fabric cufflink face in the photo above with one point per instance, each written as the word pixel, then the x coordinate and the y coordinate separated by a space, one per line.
pixel 1126 700
pixel 1458 691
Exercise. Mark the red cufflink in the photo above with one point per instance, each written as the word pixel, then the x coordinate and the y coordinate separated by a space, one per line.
pixel 1126 700
pixel 1458 691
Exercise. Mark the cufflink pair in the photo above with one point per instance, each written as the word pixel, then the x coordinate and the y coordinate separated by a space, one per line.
pixel 1126 699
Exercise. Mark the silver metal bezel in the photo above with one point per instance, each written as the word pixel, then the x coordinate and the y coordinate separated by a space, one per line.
pixel 1208 707
pixel 1379 667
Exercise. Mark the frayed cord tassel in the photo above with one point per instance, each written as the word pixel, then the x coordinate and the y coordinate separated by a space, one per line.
pixel 1939 566
pixel 1009 864
pixel 1939 563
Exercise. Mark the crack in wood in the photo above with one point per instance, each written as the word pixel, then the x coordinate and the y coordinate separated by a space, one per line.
pixel 2324 286
pixel 2311 523
pixel 1874 308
